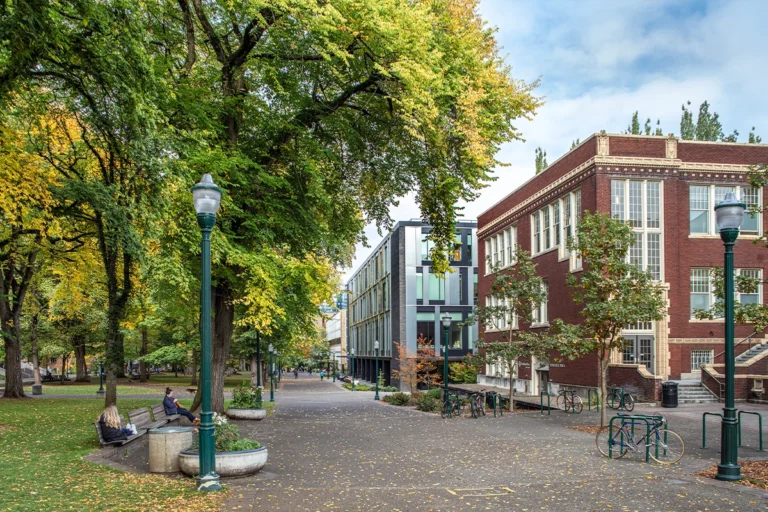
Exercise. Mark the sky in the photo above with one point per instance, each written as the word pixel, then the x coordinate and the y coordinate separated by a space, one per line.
pixel 600 61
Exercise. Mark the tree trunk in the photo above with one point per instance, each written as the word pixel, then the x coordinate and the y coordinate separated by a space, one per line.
pixel 14 386
pixel 64 359
pixel 79 345
pixel 254 371
pixel 194 368
pixel 603 387
pixel 33 343
pixel 143 370
pixel 113 357
pixel 222 306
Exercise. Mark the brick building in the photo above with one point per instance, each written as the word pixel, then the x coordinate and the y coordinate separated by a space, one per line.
pixel 666 189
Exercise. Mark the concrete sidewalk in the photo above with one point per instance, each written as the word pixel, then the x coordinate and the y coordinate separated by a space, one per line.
pixel 331 449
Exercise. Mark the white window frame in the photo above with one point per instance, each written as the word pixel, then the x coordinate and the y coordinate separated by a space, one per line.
pixel 711 220
pixel 644 232
pixel 500 249
pixel 711 286
pixel 540 313
pixel 710 359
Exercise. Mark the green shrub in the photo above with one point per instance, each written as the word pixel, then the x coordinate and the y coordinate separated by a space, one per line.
pixel 243 444
pixel 388 388
pixel 427 403
pixel 227 436
pixel 398 398
pixel 358 387
pixel 435 393
pixel 246 397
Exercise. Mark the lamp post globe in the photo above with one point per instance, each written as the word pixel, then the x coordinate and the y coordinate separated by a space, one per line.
pixel 446 327
pixel 206 197
pixel 729 214
pixel 376 350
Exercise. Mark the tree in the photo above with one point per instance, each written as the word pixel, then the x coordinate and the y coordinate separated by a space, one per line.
pixel 658 128
pixel 515 295
pixel 541 160
pixel 169 355
pixel 417 368
pixel 754 139
pixel 687 128
pixel 634 126
pixel 614 293
pixel 575 143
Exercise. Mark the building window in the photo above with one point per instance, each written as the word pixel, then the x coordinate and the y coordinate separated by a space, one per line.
pixel 701 357
pixel 540 312
pixel 703 199
pixel 426 247
pixel 546 241
pixel 703 290
pixel 537 232
pixel 436 287
pixel 474 286
pixel 469 245
pixel 456 331
pixel 461 288
pixel 455 255
pixel 487 257
pixel 419 286
pixel 511 242
pixel 425 329
pixel 638 203
pixel 556 221
pixel 500 249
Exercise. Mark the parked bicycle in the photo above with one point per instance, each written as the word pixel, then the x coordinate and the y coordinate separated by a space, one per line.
pixel 451 406
pixel 665 446
pixel 568 400
pixel 618 399
pixel 476 405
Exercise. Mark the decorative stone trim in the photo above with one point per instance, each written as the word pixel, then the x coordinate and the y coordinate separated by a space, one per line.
pixel 641 369
pixel 692 341
pixel 602 144
pixel 671 146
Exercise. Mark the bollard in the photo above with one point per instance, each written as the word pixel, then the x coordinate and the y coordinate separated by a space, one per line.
pixel 541 403
pixel 589 399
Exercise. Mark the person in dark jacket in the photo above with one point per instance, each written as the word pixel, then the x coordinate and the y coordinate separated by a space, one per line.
pixel 111 430
pixel 171 406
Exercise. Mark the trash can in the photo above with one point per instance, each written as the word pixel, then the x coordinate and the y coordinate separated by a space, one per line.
pixel 165 445
pixel 669 394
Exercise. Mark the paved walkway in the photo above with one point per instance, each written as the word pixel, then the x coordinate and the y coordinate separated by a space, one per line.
pixel 331 449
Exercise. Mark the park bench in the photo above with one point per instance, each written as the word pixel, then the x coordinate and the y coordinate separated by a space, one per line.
pixel 158 414
pixel 119 442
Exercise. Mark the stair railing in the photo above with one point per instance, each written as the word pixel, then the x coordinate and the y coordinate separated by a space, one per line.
pixel 739 343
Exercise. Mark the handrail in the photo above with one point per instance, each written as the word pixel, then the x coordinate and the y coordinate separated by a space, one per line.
pixel 735 344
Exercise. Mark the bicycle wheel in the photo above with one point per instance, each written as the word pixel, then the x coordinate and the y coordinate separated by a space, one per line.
pixel 578 405
pixel 629 403
pixel 618 440
pixel 669 451
pixel 612 400
pixel 446 410
pixel 561 402
pixel 480 404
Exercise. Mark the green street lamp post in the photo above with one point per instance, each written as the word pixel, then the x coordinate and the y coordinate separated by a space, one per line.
pixel 353 368
pixel 729 214
pixel 101 379
pixel 206 197
pixel 276 368
pixel 376 350
pixel 258 360
pixel 447 328
pixel 271 375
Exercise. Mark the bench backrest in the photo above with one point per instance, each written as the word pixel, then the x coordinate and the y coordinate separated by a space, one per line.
pixel 101 436
pixel 140 417
pixel 158 412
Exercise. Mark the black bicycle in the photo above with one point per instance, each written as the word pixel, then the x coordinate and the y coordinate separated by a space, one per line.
pixel 477 405
pixel 618 399
pixel 451 406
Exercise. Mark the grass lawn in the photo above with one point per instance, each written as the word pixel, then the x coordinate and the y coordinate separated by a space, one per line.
pixel 41 445
pixel 168 379
pixel 85 388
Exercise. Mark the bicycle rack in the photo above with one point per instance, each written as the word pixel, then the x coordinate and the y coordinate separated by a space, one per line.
pixel 759 426
pixel 704 427
pixel 497 401
pixel 589 398
pixel 541 402
pixel 634 421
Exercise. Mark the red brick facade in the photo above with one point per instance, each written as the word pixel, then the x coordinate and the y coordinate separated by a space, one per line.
pixel 676 165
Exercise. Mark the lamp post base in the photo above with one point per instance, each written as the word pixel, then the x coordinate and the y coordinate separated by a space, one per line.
pixel 728 472
pixel 208 483
pixel 376 397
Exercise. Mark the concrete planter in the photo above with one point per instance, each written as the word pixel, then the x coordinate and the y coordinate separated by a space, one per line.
pixel 228 464
pixel 246 414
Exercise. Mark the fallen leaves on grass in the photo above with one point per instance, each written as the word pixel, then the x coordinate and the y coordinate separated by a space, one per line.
pixel 755 473
pixel 587 429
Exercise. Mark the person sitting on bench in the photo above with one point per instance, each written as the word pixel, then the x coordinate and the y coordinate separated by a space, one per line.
pixel 111 430
pixel 171 406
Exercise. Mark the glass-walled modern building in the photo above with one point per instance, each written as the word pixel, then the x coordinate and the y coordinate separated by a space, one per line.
pixel 395 298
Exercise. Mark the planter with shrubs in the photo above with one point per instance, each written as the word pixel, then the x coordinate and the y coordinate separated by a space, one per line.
pixel 247 404
pixel 234 456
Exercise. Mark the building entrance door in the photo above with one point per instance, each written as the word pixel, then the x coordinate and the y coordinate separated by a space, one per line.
pixel 639 350
pixel 543 376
